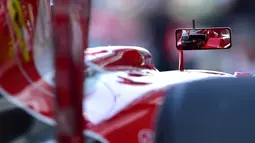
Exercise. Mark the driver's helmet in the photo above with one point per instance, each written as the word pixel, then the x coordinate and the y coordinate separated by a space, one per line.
pixel 185 35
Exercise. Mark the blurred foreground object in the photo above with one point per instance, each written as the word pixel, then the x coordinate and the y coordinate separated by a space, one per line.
pixel 212 110
pixel 70 36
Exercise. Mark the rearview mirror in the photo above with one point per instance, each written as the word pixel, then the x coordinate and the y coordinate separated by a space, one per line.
pixel 203 39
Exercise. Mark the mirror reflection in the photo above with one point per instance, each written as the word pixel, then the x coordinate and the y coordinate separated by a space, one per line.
pixel 202 39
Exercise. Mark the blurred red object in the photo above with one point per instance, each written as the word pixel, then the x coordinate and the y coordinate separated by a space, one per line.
pixel 70 29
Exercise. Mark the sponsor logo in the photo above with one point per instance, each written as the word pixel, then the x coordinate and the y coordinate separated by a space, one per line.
pixel 21 34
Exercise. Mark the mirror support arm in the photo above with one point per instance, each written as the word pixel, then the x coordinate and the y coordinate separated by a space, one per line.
pixel 181 60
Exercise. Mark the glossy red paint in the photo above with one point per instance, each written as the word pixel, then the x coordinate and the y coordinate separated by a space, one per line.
pixel 138 116
pixel 126 58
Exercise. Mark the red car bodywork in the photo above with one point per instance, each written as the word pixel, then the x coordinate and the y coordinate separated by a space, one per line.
pixel 122 99
pixel 124 89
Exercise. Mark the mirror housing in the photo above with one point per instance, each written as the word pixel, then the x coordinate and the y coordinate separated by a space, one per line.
pixel 203 38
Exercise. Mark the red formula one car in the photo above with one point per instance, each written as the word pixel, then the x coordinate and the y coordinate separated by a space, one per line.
pixel 123 88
